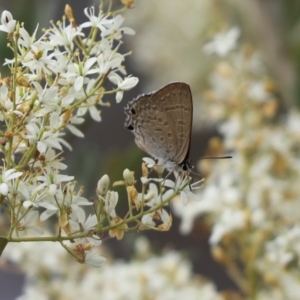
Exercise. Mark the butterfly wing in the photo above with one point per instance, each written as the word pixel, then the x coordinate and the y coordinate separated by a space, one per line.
pixel 162 121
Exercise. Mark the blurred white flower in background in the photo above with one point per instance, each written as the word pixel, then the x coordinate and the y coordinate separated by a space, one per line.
pixel 223 43
pixel 167 276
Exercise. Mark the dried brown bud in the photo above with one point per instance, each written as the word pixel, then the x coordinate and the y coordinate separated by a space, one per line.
pixel 69 15
pixel 132 194
pixel 166 226
pixel 42 157
pixel 118 232
pixel 128 3
pixel 219 255
pixel 66 116
pixel 3 141
pixel 9 134
pixel 22 81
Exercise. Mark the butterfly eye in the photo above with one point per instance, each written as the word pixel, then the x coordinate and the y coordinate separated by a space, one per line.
pixel 130 127
pixel 133 111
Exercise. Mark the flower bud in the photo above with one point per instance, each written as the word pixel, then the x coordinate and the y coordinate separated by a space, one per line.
pixel 128 3
pixel 8 23
pixel 128 177
pixel 103 185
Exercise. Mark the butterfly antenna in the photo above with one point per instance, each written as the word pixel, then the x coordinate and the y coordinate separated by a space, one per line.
pixel 215 157
pixel 207 157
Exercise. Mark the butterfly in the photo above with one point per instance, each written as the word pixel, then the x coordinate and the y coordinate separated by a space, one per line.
pixel 161 122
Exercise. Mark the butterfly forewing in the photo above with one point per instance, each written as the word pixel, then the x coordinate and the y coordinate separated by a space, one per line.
pixel 162 121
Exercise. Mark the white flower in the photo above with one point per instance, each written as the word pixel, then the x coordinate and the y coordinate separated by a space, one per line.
pixel 70 199
pixel 6 177
pixel 77 73
pixel 293 122
pixel 149 162
pixel 49 212
pixel 284 248
pixel 210 203
pixel 39 58
pixel 257 92
pixel 59 196
pixel 223 42
pixel 183 186
pixel 111 201
pixel 81 223
pixel 148 220
pixel 52 160
pixel 232 128
pixel 93 259
pixel 47 94
pixel 64 35
pixel 188 214
pixel 52 177
pixel 109 63
pixel 31 194
pixel 62 62
pixel 115 30
pixel 3 189
pixel 153 198
pixel 5 101
pixel 123 84
pixel 89 105
pixel 36 133
pixel 230 220
pixel 87 224
pixel 8 23
pixel 25 40
pixel 28 224
pixel 99 21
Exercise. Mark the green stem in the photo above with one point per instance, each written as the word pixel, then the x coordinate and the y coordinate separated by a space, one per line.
pixel 57 238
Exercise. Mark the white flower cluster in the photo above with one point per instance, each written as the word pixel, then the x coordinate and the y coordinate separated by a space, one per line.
pixel 55 80
pixel 251 201
pixel 167 276
pixel 146 209
pixel 154 197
